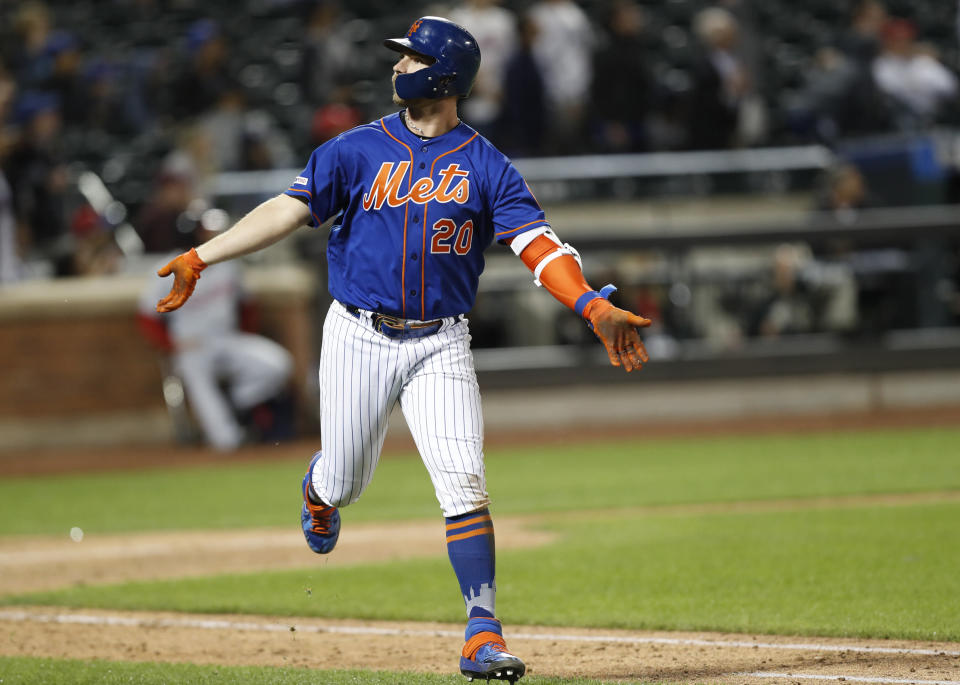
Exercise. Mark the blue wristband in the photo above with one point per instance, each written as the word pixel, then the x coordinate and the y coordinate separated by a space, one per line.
pixel 584 300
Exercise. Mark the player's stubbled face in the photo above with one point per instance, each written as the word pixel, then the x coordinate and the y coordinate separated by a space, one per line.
pixel 407 64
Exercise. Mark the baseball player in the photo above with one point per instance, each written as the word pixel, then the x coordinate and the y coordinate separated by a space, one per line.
pixel 224 369
pixel 418 196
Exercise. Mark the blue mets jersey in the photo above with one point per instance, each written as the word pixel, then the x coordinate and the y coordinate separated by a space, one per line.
pixel 413 216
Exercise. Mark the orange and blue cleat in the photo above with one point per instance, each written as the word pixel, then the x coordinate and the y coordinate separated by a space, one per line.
pixel 320 522
pixel 485 655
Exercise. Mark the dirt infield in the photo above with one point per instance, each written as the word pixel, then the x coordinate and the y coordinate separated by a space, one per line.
pixel 433 648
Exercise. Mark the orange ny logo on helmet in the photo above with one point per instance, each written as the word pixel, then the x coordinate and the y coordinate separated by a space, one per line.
pixel 413 27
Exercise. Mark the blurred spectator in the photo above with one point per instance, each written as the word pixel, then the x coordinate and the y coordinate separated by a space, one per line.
pixel 30 60
pixel 106 106
pixel 720 82
pixel 838 98
pixel 64 77
pixel 223 127
pixel 496 34
pixel 193 159
pixel 231 377
pixel 331 71
pixel 38 177
pixel 861 42
pixel 787 308
pixel 563 48
pixel 622 85
pixel 8 90
pixel 844 193
pixel 232 137
pixel 163 223
pixel 523 117
pixel 913 78
pixel 881 274
pixel 206 75
pixel 804 296
pixel 265 146
pixel 330 59
pixel 753 115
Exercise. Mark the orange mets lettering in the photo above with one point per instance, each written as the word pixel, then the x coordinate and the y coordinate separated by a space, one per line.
pixel 460 192
pixel 413 27
pixel 386 184
pixel 454 186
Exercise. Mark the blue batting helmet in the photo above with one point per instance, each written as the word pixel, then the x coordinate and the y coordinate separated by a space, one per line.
pixel 456 58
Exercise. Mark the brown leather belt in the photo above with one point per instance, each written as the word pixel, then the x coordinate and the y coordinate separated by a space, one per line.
pixel 397 328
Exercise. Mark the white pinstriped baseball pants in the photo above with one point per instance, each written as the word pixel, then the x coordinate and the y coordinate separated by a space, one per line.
pixel 363 374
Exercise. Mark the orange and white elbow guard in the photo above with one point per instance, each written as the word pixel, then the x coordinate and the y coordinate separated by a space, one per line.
pixel 557 267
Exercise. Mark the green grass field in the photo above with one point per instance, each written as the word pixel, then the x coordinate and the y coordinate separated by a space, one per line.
pixel 869 569
pixel 21 671
pixel 520 480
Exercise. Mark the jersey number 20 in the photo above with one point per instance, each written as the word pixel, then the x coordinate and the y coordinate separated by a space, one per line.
pixel 446 236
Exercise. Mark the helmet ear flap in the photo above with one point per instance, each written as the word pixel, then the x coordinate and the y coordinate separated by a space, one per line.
pixel 445 81
pixel 428 83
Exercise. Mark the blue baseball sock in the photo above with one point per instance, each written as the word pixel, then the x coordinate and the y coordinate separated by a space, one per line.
pixel 470 545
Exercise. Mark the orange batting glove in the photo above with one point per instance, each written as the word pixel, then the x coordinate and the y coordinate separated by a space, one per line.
pixel 186 270
pixel 617 330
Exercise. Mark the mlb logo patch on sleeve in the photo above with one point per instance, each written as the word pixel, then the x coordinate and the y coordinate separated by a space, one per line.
pixel 300 180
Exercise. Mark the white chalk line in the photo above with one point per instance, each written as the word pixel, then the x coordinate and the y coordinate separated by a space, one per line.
pixel 848 678
pixel 223 624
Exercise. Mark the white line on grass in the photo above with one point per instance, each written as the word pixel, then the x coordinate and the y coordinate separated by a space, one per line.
pixel 849 678
pixel 221 624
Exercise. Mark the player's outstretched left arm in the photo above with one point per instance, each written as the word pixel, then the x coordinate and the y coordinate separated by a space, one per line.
pixel 263 226
pixel 556 267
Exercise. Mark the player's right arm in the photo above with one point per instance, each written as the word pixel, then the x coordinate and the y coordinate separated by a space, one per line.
pixel 266 224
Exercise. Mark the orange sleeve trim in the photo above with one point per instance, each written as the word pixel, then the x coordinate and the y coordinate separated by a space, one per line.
pixel 530 223
pixel 532 195
pixel 467 522
pixel 406 212
pixel 487 530
pixel 309 195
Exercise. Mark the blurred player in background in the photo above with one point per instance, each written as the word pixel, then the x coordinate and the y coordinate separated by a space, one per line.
pixel 417 197
pixel 226 372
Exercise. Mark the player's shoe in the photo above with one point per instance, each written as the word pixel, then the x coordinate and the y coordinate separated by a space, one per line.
pixel 320 522
pixel 485 655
